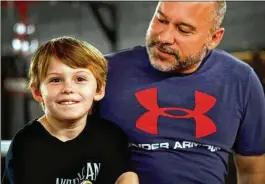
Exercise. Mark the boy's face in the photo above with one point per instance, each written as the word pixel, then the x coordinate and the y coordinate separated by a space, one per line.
pixel 67 93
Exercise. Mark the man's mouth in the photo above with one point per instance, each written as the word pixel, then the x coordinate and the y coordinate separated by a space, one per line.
pixel 164 54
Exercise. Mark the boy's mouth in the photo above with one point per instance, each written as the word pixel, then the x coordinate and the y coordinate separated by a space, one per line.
pixel 68 102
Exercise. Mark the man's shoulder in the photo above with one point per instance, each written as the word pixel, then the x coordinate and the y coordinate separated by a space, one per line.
pixel 126 53
pixel 228 59
pixel 228 63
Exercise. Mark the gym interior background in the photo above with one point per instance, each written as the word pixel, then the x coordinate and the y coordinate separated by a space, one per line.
pixel 108 26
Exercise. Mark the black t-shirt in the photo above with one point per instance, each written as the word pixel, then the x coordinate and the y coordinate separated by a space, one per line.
pixel 99 155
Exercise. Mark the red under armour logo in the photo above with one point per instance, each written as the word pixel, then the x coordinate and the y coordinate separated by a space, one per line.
pixel 148 121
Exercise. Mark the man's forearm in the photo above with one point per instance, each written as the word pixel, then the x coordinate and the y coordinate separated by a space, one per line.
pixel 251 178
pixel 250 169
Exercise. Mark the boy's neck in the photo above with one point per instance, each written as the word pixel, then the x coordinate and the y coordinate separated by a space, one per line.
pixel 63 130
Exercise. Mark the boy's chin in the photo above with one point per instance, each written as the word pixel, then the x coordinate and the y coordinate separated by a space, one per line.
pixel 72 117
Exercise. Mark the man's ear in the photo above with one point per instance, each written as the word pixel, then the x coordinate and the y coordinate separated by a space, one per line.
pixel 100 93
pixel 216 38
pixel 36 94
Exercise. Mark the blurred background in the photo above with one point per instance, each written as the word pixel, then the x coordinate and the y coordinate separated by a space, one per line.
pixel 109 26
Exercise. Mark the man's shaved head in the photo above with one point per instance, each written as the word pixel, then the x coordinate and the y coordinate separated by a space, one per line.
pixel 219 14
pixel 182 32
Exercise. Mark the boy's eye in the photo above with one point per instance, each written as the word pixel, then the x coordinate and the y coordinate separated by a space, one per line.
pixel 56 80
pixel 80 79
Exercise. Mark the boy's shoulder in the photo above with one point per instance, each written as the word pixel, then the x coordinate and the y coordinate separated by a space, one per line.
pixel 106 124
pixel 24 139
pixel 28 132
pixel 109 128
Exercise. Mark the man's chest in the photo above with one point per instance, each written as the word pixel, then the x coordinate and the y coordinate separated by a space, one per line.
pixel 171 110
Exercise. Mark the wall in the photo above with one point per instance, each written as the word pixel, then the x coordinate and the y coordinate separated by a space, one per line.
pixel 244 24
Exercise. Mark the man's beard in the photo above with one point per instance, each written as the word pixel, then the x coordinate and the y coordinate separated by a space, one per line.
pixel 177 64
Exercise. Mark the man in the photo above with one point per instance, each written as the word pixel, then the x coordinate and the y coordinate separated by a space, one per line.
pixel 186 105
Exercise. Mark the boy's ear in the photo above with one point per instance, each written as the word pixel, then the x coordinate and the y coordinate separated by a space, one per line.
pixel 100 94
pixel 36 94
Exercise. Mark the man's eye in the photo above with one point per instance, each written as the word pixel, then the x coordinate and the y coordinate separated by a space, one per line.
pixel 56 80
pixel 162 21
pixel 183 31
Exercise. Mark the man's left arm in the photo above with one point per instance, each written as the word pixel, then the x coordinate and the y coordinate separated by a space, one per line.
pixel 250 142
pixel 128 178
pixel 250 169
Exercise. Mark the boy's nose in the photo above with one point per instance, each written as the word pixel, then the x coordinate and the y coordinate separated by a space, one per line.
pixel 67 88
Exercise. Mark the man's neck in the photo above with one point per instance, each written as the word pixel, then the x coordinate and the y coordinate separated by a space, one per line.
pixel 195 67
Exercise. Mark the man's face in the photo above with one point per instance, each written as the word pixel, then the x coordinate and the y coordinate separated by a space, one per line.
pixel 178 34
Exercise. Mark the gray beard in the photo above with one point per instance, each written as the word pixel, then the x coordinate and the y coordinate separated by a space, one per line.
pixel 177 64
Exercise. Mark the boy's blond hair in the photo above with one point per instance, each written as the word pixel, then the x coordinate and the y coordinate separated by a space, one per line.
pixel 72 52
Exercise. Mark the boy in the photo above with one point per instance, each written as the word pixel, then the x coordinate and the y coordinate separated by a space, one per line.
pixel 68 144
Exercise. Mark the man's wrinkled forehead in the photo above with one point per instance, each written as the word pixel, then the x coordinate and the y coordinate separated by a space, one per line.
pixel 185 10
pixel 184 4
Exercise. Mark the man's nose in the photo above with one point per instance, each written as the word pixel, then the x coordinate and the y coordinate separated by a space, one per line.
pixel 167 36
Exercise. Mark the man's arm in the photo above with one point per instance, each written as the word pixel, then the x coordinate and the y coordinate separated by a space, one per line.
pixel 250 169
pixel 128 178
pixel 250 141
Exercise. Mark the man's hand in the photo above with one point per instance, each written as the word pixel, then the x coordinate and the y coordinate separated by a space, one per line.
pixel 250 169
pixel 128 178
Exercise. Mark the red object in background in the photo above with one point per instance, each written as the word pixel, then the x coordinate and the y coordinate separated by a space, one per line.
pixel 21 6
pixel 17 3
pixel 22 9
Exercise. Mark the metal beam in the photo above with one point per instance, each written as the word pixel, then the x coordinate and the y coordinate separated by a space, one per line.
pixel 111 32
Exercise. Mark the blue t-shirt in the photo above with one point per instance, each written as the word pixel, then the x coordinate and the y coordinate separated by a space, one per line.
pixel 182 127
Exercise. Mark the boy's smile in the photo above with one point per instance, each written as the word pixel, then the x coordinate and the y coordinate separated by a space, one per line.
pixel 68 93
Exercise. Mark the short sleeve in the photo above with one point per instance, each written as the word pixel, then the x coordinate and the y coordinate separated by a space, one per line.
pixel 16 170
pixel 7 174
pixel 10 167
pixel 251 134
pixel 117 158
